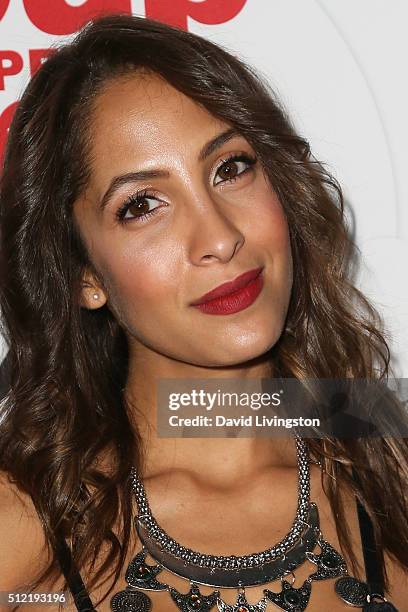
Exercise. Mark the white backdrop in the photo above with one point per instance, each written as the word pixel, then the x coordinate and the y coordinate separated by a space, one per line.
pixel 340 68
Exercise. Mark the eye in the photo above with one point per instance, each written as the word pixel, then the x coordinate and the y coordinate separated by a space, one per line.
pixel 140 205
pixel 233 167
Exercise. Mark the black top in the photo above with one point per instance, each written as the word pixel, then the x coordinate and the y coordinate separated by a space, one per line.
pixel 374 574
pixel 76 586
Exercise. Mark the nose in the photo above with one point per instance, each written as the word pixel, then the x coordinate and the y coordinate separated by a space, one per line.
pixel 213 234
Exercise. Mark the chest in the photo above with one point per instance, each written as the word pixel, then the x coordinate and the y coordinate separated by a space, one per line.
pixel 248 524
pixel 227 533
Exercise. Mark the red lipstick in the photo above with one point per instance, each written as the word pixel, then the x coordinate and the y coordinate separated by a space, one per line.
pixel 232 296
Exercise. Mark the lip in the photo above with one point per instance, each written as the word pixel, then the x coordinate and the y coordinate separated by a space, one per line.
pixel 234 302
pixel 230 287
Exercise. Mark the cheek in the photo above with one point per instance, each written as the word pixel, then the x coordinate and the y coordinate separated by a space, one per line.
pixel 271 234
pixel 141 278
pixel 269 227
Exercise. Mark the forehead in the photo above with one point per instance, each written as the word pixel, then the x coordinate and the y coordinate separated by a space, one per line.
pixel 142 116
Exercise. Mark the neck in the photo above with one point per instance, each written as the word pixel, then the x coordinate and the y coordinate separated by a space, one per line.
pixel 217 461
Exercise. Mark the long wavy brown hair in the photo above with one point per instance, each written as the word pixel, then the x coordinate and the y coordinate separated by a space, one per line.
pixel 68 365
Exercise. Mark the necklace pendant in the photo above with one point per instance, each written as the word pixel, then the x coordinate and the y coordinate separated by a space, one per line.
pixel 356 593
pixel 352 591
pixel 330 563
pixel 143 576
pixel 242 605
pixel 193 600
pixel 291 598
pixel 130 600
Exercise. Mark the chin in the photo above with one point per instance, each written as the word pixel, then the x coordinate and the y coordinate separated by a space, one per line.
pixel 236 355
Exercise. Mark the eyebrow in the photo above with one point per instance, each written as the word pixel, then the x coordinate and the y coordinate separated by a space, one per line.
pixel 216 142
pixel 145 175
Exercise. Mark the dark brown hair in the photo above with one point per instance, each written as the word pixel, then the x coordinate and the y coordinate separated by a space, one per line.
pixel 68 365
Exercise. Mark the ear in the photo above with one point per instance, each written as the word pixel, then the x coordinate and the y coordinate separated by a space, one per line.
pixel 92 294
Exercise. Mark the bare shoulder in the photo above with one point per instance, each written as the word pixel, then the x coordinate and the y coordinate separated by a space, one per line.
pixel 23 548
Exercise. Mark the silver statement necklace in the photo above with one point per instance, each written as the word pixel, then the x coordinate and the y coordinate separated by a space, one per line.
pixel 240 572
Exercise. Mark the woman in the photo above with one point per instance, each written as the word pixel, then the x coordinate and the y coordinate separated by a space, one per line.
pixel 145 167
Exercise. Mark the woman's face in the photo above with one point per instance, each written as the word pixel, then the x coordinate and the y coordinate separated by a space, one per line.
pixel 176 206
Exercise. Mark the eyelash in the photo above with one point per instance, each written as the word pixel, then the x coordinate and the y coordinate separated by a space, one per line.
pixel 139 197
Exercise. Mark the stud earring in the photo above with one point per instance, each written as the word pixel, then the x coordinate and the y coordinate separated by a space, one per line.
pixel 96 296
